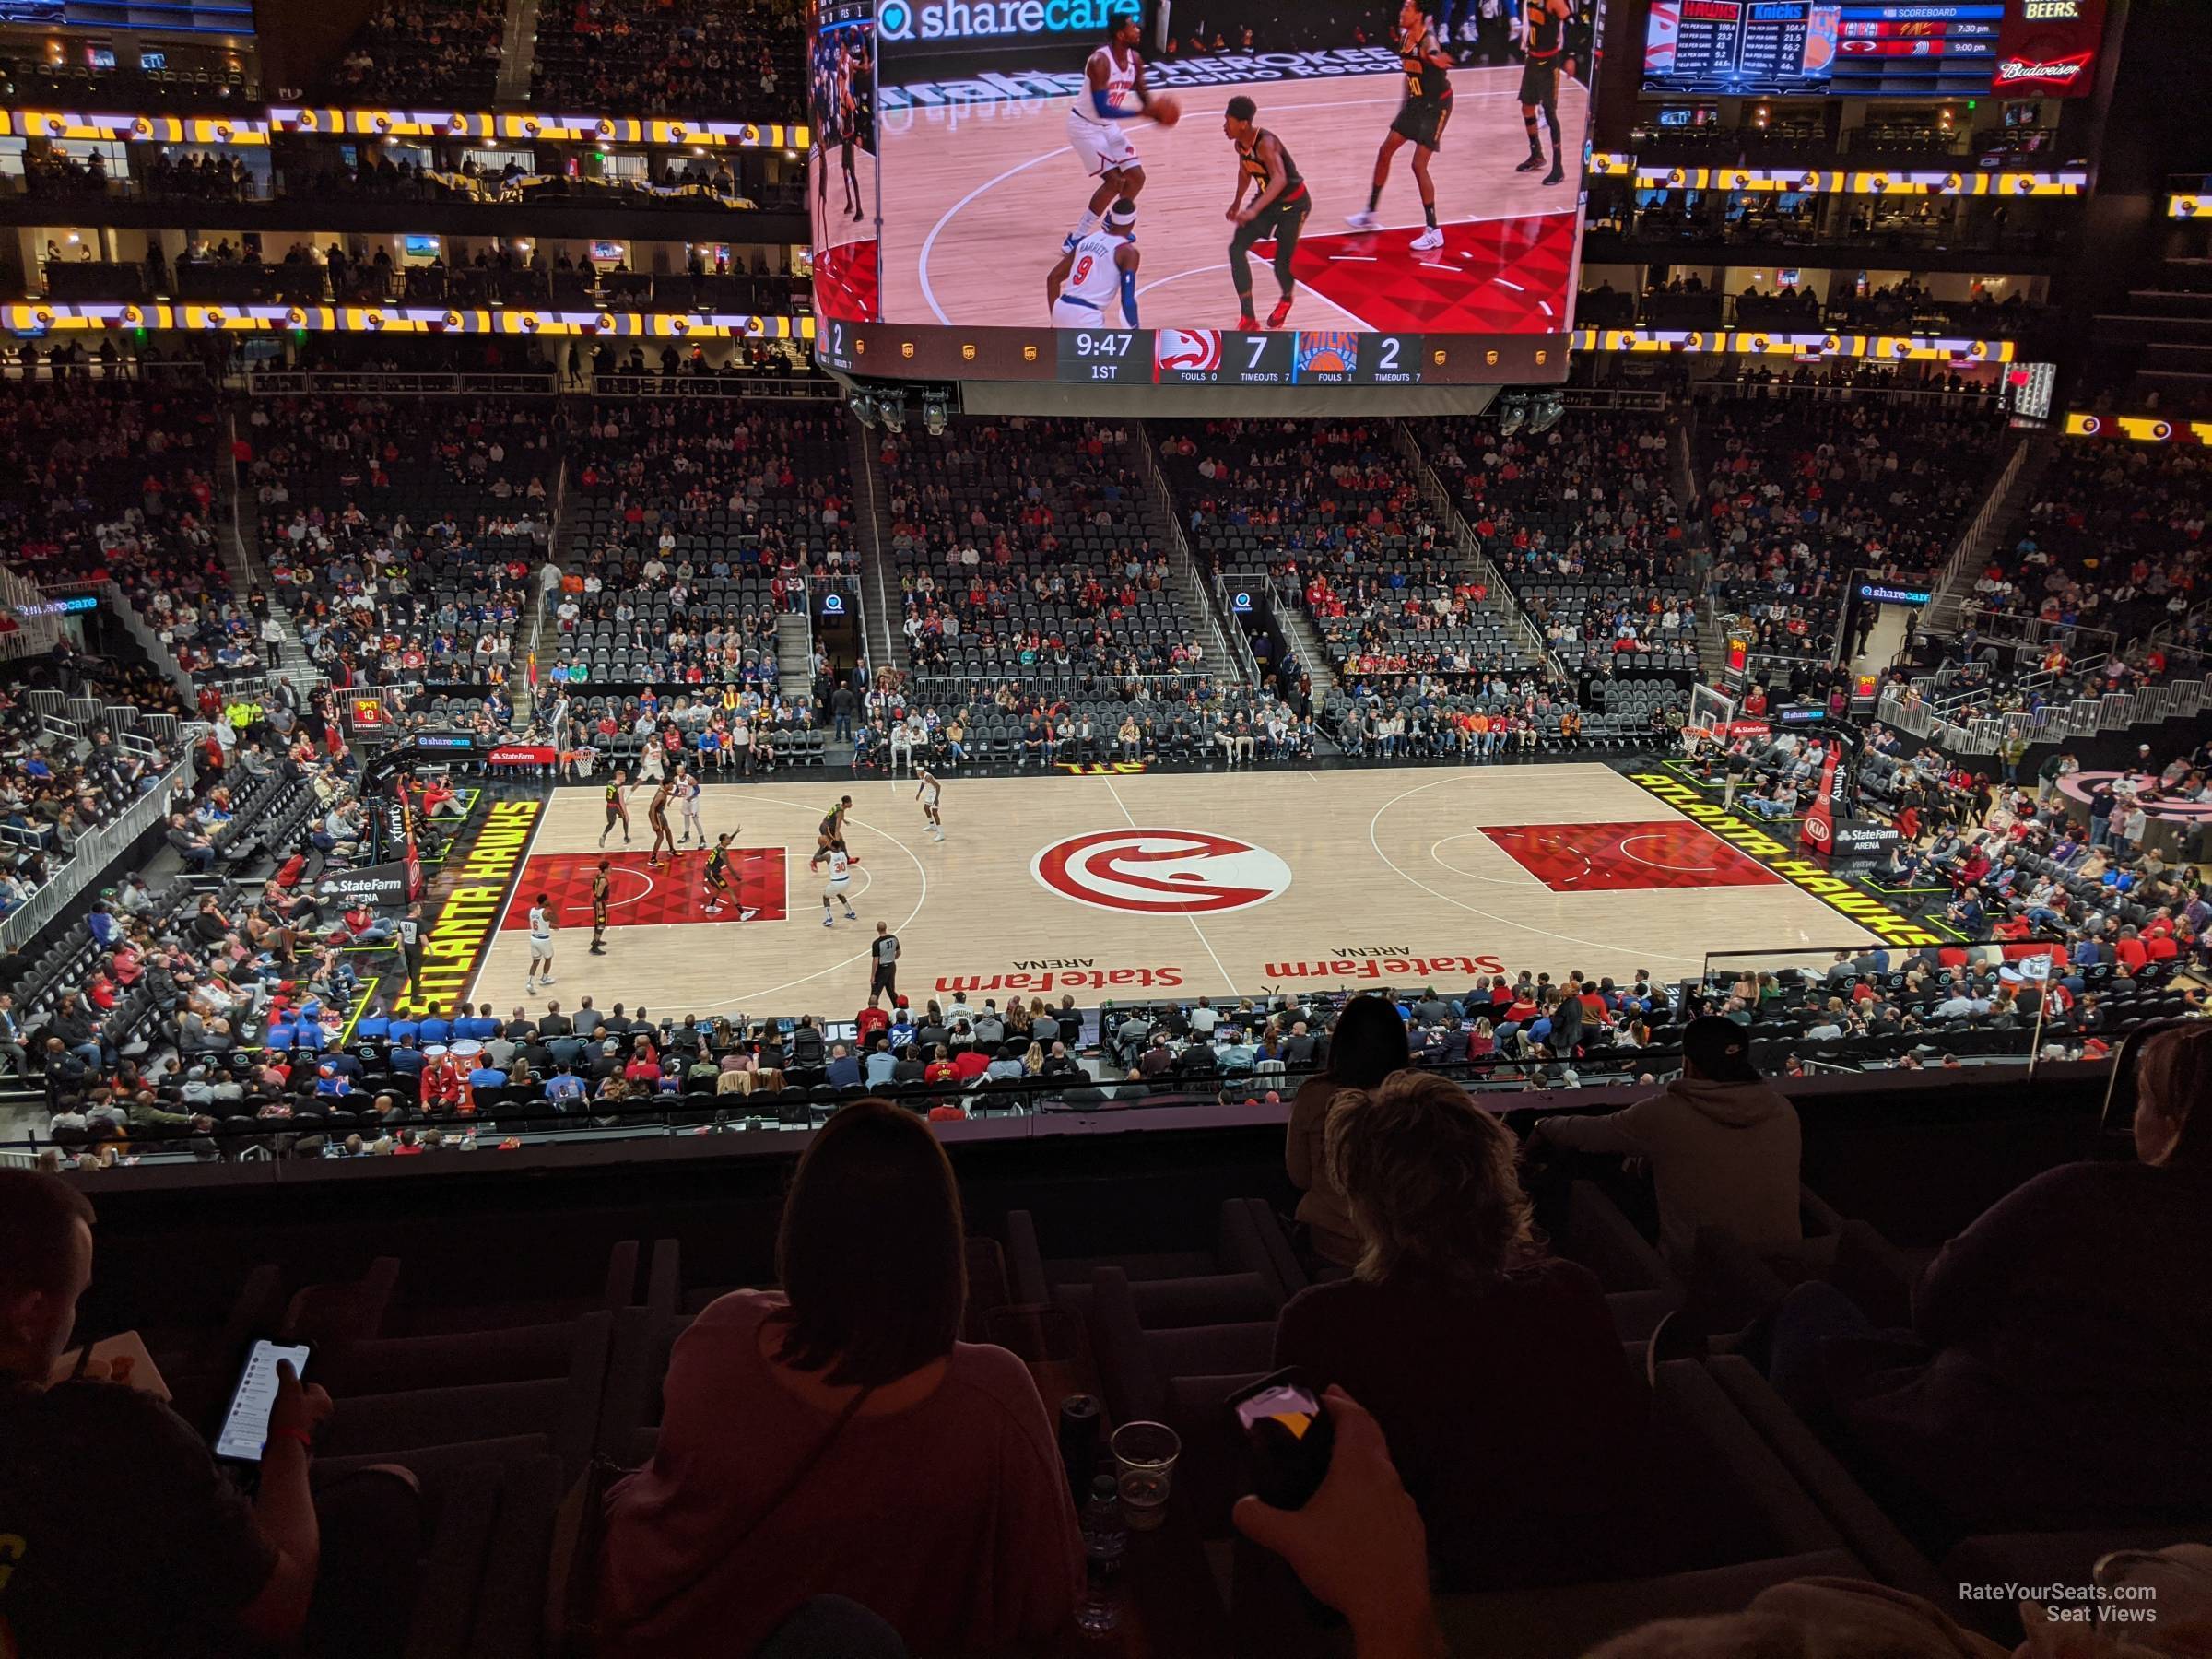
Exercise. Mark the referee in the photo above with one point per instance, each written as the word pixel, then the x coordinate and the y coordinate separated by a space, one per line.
pixel 883 956
pixel 410 945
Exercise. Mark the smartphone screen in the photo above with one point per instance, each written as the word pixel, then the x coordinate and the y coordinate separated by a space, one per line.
pixel 1292 1407
pixel 246 1424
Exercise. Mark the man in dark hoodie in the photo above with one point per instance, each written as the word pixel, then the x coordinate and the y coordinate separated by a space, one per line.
pixel 1723 1144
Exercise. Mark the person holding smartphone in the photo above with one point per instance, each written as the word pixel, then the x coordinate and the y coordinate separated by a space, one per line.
pixel 128 1537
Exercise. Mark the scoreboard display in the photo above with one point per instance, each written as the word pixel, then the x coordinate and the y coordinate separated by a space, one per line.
pixel 1871 48
pixel 975 186
pixel 1215 357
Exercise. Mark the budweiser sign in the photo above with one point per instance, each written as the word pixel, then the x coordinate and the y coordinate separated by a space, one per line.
pixel 2057 72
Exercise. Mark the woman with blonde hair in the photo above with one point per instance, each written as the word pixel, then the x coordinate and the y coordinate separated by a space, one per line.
pixel 1492 1366
pixel 1033 1062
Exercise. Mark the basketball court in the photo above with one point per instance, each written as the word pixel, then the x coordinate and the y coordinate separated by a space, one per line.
pixel 983 194
pixel 1112 887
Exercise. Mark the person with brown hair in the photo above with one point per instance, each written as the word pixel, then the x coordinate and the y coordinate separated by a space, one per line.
pixel 1493 1367
pixel 93 1473
pixel 836 1438
pixel 1367 1045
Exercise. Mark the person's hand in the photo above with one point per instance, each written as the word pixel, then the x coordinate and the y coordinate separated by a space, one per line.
pixel 1358 1544
pixel 296 1407
pixel 1233 216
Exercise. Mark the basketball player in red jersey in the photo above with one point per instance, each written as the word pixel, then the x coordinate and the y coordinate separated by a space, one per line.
pixel 1113 95
pixel 1544 46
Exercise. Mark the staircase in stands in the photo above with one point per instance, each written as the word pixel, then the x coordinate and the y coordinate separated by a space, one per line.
pixel 880 612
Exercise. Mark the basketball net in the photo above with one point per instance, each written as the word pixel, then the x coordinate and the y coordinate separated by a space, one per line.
pixel 1819 831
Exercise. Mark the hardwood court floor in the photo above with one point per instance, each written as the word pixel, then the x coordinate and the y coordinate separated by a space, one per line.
pixel 978 197
pixel 1108 887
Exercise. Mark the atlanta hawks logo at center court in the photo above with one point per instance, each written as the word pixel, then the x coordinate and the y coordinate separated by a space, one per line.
pixel 1162 871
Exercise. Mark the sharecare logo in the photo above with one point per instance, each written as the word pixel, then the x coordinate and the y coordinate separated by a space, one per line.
pixel 1162 871
pixel 989 20
pixel 1192 348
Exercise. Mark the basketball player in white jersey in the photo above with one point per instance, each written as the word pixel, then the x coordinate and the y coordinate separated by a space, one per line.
pixel 687 801
pixel 541 944
pixel 929 794
pixel 840 886
pixel 1100 268
pixel 1097 123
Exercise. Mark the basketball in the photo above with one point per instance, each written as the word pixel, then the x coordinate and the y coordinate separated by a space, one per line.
pixel 1165 109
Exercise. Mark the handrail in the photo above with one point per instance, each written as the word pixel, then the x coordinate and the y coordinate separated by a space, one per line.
pixel 96 848
pixel 1971 543
pixel 38 630
pixel 864 454
pixel 805 388
pixel 1195 590
pixel 301 382
pixel 1472 550
pixel 1240 643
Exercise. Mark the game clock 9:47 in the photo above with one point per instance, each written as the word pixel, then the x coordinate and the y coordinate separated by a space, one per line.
pixel 1105 354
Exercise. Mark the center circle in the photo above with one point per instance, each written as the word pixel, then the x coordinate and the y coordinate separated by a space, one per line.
pixel 1162 871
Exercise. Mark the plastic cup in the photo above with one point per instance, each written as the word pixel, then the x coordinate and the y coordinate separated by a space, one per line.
pixel 1144 1462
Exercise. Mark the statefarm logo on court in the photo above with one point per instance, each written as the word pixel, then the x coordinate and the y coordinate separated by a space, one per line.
pixel 1374 962
pixel 1162 871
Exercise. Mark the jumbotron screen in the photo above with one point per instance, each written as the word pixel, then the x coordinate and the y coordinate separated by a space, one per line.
pixel 1872 47
pixel 1293 194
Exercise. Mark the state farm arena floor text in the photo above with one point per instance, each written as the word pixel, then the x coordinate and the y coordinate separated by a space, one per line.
pixel 1111 886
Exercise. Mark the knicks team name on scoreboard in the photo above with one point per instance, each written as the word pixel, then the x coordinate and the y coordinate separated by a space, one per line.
pixel 1215 357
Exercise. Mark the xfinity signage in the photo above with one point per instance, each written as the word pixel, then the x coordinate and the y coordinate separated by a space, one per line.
pixel 992 20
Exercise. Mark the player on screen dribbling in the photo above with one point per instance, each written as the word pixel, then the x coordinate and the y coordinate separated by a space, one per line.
pixel 840 888
pixel 1420 122
pixel 1113 95
pixel 1543 44
pixel 718 878
pixel 829 834
pixel 1278 209
pixel 929 794
pixel 1100 268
